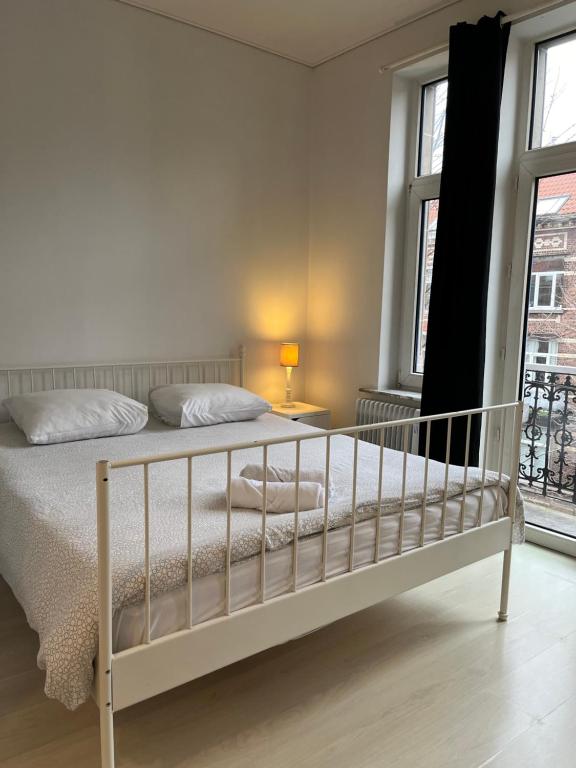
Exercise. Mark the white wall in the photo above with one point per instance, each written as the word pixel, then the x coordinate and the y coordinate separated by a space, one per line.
pixel 153 190
pixel 154 184
pixel 352 261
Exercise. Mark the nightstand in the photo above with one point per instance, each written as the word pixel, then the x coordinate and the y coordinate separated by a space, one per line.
pixel 305 414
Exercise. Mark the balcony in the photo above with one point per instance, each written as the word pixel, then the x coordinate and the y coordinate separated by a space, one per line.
pixel 547 473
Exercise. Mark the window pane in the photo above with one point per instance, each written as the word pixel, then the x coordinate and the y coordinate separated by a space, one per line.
pixel 541 351
pixel 550 204
pixel 555 93
pixel 552 289
pixel 545 291
pixel 558 296
pixel 426 259
pixel 432 122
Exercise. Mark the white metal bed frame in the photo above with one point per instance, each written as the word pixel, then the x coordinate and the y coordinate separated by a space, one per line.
pixel 132 379
pixel 157 665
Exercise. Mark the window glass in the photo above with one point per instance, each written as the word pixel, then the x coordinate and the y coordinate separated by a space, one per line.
pixel 432 123
pixel 545 291
pixel 550 204
pixel 429 219
pixel 551 335
pixel 554 119
pixel 541 351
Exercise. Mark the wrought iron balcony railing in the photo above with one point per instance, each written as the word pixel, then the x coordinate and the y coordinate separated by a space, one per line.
pixel 548 453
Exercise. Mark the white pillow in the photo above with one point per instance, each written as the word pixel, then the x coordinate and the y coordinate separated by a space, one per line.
pixel 60 415
pixel 200 405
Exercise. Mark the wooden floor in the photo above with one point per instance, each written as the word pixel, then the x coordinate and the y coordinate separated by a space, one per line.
pixel 427 679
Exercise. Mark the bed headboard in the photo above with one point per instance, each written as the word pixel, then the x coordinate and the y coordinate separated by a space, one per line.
pixel 134 380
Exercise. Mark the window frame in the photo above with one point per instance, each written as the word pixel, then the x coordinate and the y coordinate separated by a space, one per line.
pixel 420 189
pixel 518 169
pixel 527 167
pixel 534 164
pixel 537 278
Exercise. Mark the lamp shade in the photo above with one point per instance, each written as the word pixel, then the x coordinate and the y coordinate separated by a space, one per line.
pixel 289 354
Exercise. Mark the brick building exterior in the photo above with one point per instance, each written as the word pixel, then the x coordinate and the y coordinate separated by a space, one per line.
pixel 551 333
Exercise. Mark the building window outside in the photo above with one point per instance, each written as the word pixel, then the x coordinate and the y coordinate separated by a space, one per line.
pixel 545 291
pixel 550 204
pixel 541 351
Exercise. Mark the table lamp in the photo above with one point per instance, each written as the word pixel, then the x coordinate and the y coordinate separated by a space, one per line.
pixel 289 358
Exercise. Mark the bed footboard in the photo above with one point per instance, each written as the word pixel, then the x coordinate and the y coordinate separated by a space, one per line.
pixel 157 665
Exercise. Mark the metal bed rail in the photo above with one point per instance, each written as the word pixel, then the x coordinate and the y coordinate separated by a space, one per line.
pixel 496 420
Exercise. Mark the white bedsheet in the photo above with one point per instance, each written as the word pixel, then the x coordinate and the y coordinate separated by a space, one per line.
pixel 169 611
pixel 48 522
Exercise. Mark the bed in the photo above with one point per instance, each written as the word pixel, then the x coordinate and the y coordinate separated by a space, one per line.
pixel 167 582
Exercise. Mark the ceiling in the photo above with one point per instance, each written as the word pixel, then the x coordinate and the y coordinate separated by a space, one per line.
pixel 307 31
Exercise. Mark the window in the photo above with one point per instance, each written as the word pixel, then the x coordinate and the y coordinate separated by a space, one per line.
pixel 554 100
pixel 432 123
pixel 541 351
pixel 545 172
pixel 428 220
pixel 545 291
pixel 546 205
pixel 423 166
pixel 531 321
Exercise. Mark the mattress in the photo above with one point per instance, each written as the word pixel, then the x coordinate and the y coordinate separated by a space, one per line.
pixel 169 611
pixel 48 551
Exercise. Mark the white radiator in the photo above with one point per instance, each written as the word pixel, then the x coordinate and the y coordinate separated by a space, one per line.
pixel 370 411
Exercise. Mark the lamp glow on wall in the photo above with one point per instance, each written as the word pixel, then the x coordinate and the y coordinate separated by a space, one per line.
pixel 289 358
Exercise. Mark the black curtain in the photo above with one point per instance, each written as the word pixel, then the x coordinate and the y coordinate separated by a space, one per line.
pixel 455 343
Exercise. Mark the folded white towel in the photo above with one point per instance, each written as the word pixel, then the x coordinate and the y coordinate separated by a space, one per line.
pixel 280 497
pixel 283 475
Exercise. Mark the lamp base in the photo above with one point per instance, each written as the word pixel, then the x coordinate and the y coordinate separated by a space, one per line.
pixel 288 403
